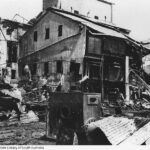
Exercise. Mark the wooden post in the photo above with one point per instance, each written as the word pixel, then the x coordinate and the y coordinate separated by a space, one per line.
pixel 47 120
pixel 127 78
pixel 102 78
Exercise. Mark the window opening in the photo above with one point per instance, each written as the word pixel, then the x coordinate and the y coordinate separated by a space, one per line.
pixel 13 74
pixel 47 33
pixel 59 67
pixel 35 36
pixel 60 27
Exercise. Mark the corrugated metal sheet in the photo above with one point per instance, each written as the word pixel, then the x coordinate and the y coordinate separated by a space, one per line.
pixel 116 129
pixel 121 130
pixel 103 30
pixel 139 137
pixel 148 142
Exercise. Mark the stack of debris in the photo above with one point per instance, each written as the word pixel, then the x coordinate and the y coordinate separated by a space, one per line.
pixel 12 108
pixel 137 105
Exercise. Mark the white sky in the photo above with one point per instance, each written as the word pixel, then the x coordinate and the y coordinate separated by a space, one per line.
pixel 130 14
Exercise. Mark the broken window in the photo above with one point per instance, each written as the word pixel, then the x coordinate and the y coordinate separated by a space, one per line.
pixel 13 74
pixel 59 66
pixel 46 66
pixel 94 72
pixel 114 46
pixel 22 69
pixel 4 72
pixel 35 36
pixel 9 31
pixel 113 71
pixel 60 28
pixel 93 83
pixel 94 45
pixel 74 69
pixel 47 31
pixel 12 51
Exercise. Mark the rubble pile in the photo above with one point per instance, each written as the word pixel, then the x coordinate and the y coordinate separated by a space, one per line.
pixel 24 134
pixel 139 93
pixel 12 106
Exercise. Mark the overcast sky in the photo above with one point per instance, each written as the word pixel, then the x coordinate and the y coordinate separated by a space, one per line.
pixel 130 14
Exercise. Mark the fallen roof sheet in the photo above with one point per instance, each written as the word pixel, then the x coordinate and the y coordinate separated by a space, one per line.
pixel 139 137
pixel 121 130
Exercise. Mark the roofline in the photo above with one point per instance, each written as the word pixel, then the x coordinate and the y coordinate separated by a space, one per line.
pixel 18 23
pixel 145 43
pixel 52 9
pixel 32 26
pixel 116 28
pixel 55 10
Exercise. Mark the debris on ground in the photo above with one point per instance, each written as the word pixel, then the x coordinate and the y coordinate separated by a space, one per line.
pixel 25 134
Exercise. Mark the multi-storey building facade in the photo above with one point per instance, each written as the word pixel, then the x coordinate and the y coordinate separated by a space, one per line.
pixel 62 42
pixel 10 33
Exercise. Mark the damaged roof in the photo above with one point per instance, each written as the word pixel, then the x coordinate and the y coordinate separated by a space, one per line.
pixel 103 28
pixel 122 131
pixel 100 27
pixel 97 25
pixel 88 21
pixel 14 24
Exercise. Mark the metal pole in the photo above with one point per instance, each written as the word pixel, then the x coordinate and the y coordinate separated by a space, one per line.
pixel 127 78
pixel 111 13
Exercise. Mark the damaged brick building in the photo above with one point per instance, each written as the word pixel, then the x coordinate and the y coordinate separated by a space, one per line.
pixel 10 33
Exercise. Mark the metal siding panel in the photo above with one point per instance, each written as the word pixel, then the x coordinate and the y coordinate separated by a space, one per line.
pixel 139 136
pixel 116 129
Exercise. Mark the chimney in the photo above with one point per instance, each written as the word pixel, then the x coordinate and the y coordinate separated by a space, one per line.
pixel 50 3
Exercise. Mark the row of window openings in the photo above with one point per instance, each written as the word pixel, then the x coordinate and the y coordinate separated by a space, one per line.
pixel 47 33
pixel 74 67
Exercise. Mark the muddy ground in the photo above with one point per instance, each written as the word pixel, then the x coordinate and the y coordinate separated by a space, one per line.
pixel 24 134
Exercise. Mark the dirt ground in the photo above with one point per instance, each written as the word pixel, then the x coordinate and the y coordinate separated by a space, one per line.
pixel 24 134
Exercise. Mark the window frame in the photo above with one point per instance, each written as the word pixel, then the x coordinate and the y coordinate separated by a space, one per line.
pixel 60 30
pixel 59 69
pixel 35 36
pixel 95 39
pixel 47 33
pixel 13 76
